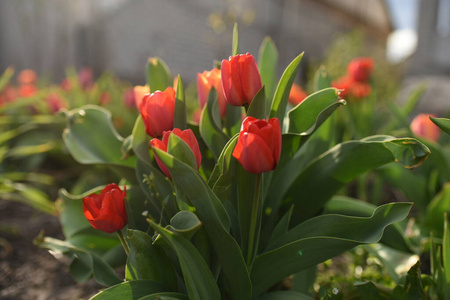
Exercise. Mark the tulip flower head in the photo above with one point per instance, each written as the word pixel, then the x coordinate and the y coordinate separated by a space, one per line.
pixel 296 95
pixel 258 147
pixel 241 80
pixel 106 212
pixel 423 127
pixel 205 81
pixel 360 69
pixel 157 111
pixel 187 136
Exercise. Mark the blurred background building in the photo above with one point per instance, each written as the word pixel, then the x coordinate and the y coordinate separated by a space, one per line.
pixel 119 35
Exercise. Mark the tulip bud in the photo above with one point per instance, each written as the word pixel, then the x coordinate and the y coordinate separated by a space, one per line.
pixel 187 136
pixel 258 147
pixel 423 127
pixel 205 81
pixel 241 80
pixel 296 95
pixel 360 69
pixel 157 111
pixel 106 212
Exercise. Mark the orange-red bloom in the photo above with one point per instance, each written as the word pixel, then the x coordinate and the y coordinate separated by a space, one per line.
pixel 240 79
pixel 258 147
pixel 106 212
pixel 27 77
pixel 157 111
pixel 187 136
pixel 423 127
pixel 360 69
pixel 296 95
pixel 139 93
pixel 351 88
pixel 205 81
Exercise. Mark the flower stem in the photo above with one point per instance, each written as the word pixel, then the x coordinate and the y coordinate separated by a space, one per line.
pixel 254 219
pixel 123 241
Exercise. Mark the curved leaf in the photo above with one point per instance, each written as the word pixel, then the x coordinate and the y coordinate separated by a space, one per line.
pixel 444 124
pixel 322 79
pixel 157 74
pixel 91 138
pixel 165 296
pixel 130 290
pixel 285 295
pixel 179 119
pixel 267 63
pixel 200 282
pixel 319 239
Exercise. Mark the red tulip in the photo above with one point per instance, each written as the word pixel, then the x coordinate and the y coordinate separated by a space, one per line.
pixel 296 95
pixel 360 89
pixel 205 81
pixel 343 83
pixel 423 127
pixel 157 111
pixel 187 136
pixel 259 145
pixel 27 77
pixel 240 79
pixel 360 69
pixel 106 212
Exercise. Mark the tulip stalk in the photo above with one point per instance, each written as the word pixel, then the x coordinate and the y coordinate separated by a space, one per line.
pixel 123 241
pixel 254 219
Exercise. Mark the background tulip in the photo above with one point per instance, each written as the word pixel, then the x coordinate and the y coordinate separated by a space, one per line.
pixel 139 92
pixel 187 136
pixel 259 145
pixel 157 111
pixel 106 212
pixel 296 95
pixel 423 127
pixel 360 69
pixel 240 79
pixel 205 81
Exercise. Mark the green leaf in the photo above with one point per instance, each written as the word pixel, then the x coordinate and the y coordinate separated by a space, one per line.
pixel 257 108
pixel 102 272
pixel 130 290
pixel 200 282
pixel 157 74
pixel 178 148
pixel 91 138
pixel 446 250
pixel 140 141
pixel 216 222
pixel 412 288
pixel 444 124
pixel 235 47
pixel 165 296
pixel 6 77
pixel 148 261
pixel 268 62
pixel 329 172
pixel 413 99
pixel 27 194
pixel 322 79
pixel 319 239
pixel 179 120
pixel 211 134
pixel 434 217
pixel 281 97
pixel 185 222
pixel 368 290
pixel 285 295
pixel 10 134
pixel 304 116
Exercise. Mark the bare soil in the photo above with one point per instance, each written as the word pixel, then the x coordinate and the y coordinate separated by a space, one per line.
pixel 27 271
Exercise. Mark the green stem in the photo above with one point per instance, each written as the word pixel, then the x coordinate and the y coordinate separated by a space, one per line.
pixel 123 241
pixel 254 219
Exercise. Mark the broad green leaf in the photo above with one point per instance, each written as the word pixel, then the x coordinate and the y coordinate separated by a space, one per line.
pixel 140 141
pixel 148 261
pixel 185 223
pixel 285 295
pixel 235 47
pixel 281 96
pixel 39 178
pixel 130 290
pixel 322 79
pixel 211 134
pixel 102 272
pixel 329 172
pixel 413 99
pixel 319 239
pixel 413 287
pixel 179 119
pixel 91 138
pixel 157 74
pixel 303 117
pixel 446 250
pixel 444 124
pixel 216 222
pixel 200 282
pixel 10 134
pixel 27 150
pixel 165 296
pixel 181 151
pixel 268 62
pixel 368 290
pixel 257 108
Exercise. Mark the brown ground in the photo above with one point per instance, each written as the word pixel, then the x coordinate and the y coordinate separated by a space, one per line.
pixel 27 271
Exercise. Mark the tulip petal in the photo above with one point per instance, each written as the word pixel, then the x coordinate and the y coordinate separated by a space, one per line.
pixel 108 223
pixel 250 77
pixel 253 154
